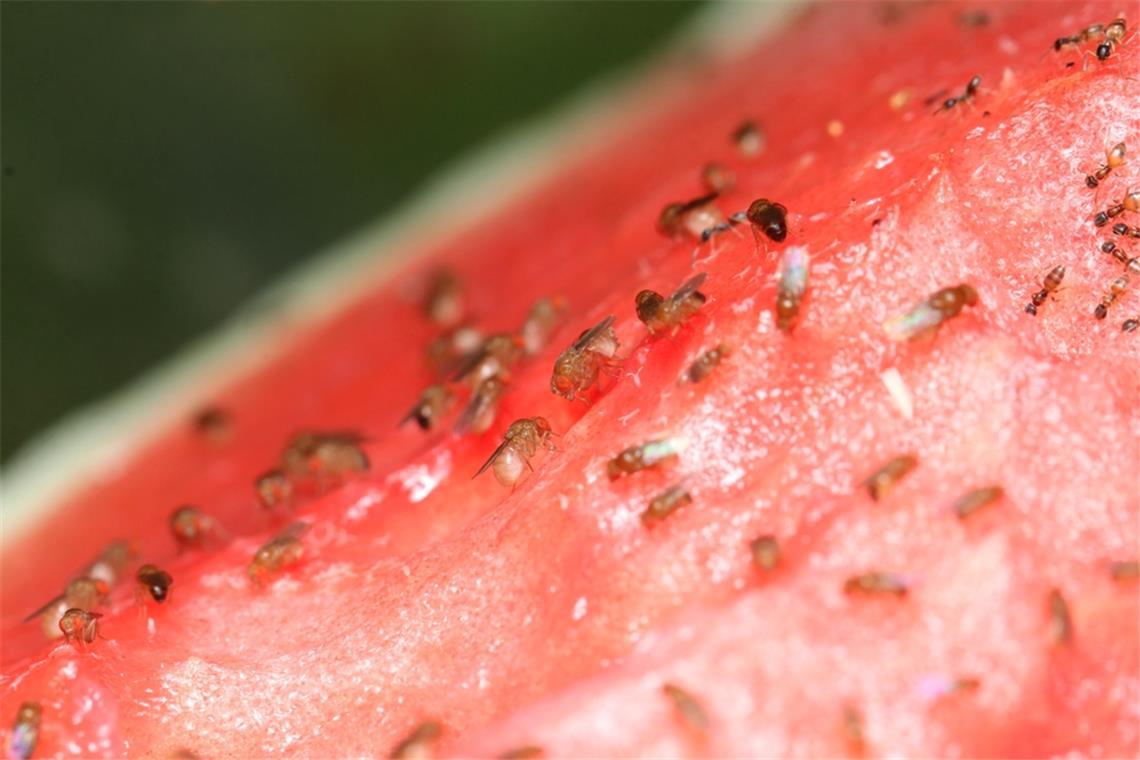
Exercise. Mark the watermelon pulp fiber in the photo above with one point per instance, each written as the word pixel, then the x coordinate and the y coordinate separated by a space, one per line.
pixel 550 615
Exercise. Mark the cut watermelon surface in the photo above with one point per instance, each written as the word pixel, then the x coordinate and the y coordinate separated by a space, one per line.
pixel 549 617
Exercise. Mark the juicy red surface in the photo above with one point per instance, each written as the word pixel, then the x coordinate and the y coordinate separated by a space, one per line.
pixel 549 615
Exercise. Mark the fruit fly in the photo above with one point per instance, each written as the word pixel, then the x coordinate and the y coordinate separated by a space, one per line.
pixel 495 358
pixel 1051 282
pixel 25 731
pixel 1113 159
pixel 479 414
pixel 214 423
pixel 577 368
pixel 765 552
pixel 768 218
pixel 1130 202
pixel 434 403
pixel 278 553
pixel 1060 620
pixel 324 454
pixel 1122 229
pixel 1130 325
pixel 154 582
pixel 1124 570
pixel 883 480
pixel 971 501
pixel 454 348
pixel 541 322
pixel 692 217
pixel 704 364
pixel 520 443
pixel 79 625
pixel 966 96
pixel 792 286
pixel 688 708
pixel 418 743
pixel 191 527
pixel 445 303
pixel 876 583
pixel 666 503
pixel 660 313
pixel 83 593
pixel 273 488
pixel 925 318
pixel 749 139
pixel 717 178
pixel 647 455
pixel 1115 288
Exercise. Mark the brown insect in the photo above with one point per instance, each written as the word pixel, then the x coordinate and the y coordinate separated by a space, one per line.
pixel 1131 265
pixel 666 503
pixel 278 553
pixel 769 219
pixel 324 455
pixel 1113 38
pixel 83 593
pixel 529 752
pixel 883 480
pixel 25 731
pixel 1122 229
pixel 749 139
pixel 273 488
pixel 1113 159
pixel 1124 570
pixel 966 96
pixel 520 443
pixel 876 583
pixel 647 455
pixel 792 286
pixel 418 744
pixel 154 582
pixel 688 708
pixel 479 414
pixel 765 552
pixel 1115 288
pixel 454 348
pixel 433 404
pixel 1051 282
pixel 853 730
pixel 577 368
pixel 1130 325
pixel 971 501
pixel 1130 202
pixel 214 423
pixel 704 364
pixel 541 322
pixel 445 302
pixel 1060 620
pixel 191 527
pixel 1088 34
pixel 79 625
pixel 692 217
pixel 717 178
pixel 660 313
pixel 926 318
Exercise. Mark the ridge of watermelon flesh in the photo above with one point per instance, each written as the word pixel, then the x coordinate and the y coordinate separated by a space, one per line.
pixel 550 615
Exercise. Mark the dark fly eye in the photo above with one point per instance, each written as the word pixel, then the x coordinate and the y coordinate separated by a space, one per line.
pixel 158 592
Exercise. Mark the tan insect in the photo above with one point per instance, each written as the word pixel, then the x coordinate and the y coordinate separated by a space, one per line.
pixel 278 553
pixel 749 139
pixel 445 302
pixel 542 321
pixel 83 593
pixel 191 527
pixel 154 582
pixel 495 358
pixel 853 730
pixel 1115 289
pixel 324 454
pixel 966 97
pixel 704 364
pixel 660 313
pixel 25 731
pixel 1114 34
pixel 693 218
pixel 1130 325
pixel 644 456
pixel 792 286
pixel 766 552
pixel 1051 282
pixel 1060 619
pixel 717 178
pixel 454 348
pixel 79 626
pixel 577 368
pixel 273 488
pixel 973 500
pixel 926 318
pixel 1113 159
pixel 1131 264
pixel 434 404
pixel 1130 202
pixel 520 443
pixel 876 582
pixel 883 480
pixel 666 503
pixel 528 752
pixel 1124 570
pixel 1123 230
pixel 418 745
pixel 109 565
pixel 479 414
pixel 688 708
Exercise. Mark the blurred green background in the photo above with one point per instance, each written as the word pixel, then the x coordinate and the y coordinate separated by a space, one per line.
pixel 163 161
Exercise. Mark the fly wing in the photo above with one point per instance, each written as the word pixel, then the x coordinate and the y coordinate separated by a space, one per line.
pixel 920 321
pixel 44 608
pixel 494 455
pixel 689 287
pixel 585 338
